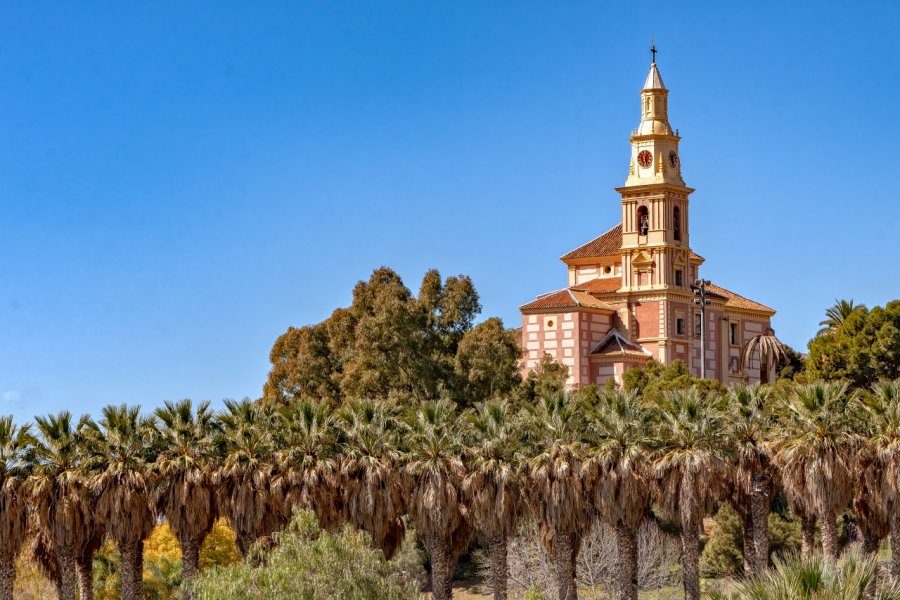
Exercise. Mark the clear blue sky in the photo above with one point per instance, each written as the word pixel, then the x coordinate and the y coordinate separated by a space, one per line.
pixel 179 184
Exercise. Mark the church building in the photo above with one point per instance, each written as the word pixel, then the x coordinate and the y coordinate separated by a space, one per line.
pixel 633 292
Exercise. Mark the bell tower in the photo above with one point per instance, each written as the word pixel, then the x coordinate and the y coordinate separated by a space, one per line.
pixel 655 234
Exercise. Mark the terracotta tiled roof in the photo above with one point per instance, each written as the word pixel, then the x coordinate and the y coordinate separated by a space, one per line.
pixel 615 344
pixel 738 301
pixel 607 244
pixel 601 285
pixel 567 298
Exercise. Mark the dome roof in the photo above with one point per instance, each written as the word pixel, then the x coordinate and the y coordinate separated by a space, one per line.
pixel 654 126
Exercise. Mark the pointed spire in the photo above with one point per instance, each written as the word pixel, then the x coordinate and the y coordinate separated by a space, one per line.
pixel 654 79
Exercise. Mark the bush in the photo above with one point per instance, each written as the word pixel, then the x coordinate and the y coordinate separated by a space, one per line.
pixel 532 573
pixel 723 554
pixel 814 579
pixel 309 564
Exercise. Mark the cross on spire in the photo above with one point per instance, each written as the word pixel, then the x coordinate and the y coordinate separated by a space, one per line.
pixel 652 49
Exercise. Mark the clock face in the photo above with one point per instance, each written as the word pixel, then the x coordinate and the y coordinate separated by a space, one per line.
pixel 645 159
pixel 673 158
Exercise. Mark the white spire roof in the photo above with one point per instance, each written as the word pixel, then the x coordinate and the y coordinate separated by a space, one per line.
pixel 654 79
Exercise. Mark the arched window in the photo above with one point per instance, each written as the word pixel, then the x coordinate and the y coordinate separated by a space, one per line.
pixel 643 220
pixel 676 225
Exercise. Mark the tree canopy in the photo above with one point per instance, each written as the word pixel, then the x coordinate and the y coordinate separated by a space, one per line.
pixel 862 350
pixel 390 343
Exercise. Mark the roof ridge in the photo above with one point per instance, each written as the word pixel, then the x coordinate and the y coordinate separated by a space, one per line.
pixel 611 230
pixel 740 297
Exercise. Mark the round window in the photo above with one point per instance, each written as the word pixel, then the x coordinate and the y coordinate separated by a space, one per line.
pixel 550 323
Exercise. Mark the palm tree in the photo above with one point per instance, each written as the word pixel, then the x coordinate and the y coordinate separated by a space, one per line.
pixel 244 478
pixel 771 352
pixel 15 445
pixel 60 493
pixel 750 422
pixel 432 473
pixel 493 483
pixel 837 314
pixel 307 473
pixel 871 505
pixel 620 433
pixel 370 471
pixel 121 466
pixel 556 482
pixel 880 424
pixel 690 465
pixel 185 463
pixel 814 448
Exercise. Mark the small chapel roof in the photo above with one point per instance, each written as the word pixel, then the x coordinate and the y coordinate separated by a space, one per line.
pixel 615 344
pixel 654 79
pixel 566 298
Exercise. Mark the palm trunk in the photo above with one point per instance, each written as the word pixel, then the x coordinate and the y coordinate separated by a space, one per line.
pixel 85 566
pixel 895 547
pixel 190 562
pixel 829 536
pixel 626 546
pixel 441 570
pixel 499 566
pixel 7 575
pixel 760 506
pixel 749 544
pixel 132 555
pixel 870 550
pixel 126 581
pixel 808 530
pixel 67 572
pixel 690 559
pixel 564 561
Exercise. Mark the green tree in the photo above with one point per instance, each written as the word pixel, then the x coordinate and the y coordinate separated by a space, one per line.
pixel 690 467
pixel 15 444
pixel 387 343
pixel 653 380
pixel 493 483
pixel 486 363
pixel 836 315
pixel 433 474
pixel 865 349
pixel 120 463
pixel 302 367
pixel 185 463
pixel 546 378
